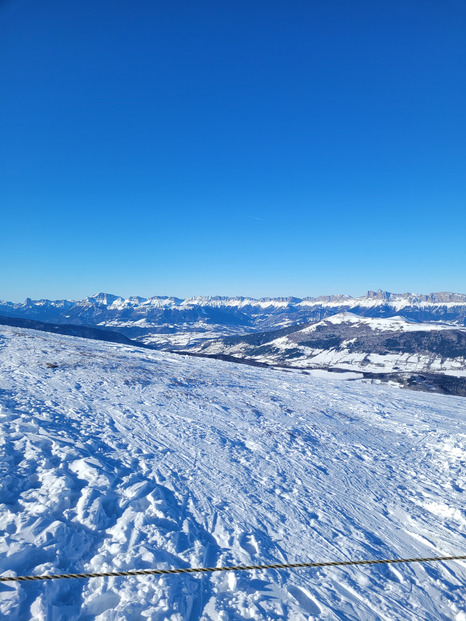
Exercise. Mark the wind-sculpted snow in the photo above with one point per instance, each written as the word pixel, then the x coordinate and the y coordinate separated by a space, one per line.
pixel 116 458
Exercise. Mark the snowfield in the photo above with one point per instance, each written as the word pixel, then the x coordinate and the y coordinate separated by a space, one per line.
pixel 385 324
pixel 119 458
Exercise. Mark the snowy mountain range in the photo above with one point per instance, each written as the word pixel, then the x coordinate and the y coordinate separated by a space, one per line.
pixel 116 457
pixel 171 323
pixel 416 341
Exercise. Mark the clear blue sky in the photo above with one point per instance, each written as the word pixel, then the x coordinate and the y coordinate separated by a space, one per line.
pixel 238 147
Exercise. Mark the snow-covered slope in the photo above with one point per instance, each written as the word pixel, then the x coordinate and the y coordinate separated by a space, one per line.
pixel 171 323
pixel 348 341
pixel 118 458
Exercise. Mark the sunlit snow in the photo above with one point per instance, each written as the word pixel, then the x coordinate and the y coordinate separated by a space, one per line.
pixel 120 458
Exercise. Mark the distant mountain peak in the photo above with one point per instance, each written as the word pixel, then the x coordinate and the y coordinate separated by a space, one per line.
pixel 380 294
pixel 102 298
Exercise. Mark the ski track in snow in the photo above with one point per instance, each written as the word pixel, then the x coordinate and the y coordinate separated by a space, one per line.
pixel 115 458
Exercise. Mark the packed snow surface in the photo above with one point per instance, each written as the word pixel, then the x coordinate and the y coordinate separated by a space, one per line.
pixel 116 458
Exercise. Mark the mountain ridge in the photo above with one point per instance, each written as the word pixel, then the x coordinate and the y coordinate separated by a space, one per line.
pixel 110 298
pixel 174 323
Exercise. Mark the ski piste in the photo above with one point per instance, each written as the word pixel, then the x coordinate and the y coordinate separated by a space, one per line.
pixel 119 458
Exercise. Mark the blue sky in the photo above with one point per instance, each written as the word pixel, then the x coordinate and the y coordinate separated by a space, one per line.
pixel 233 148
